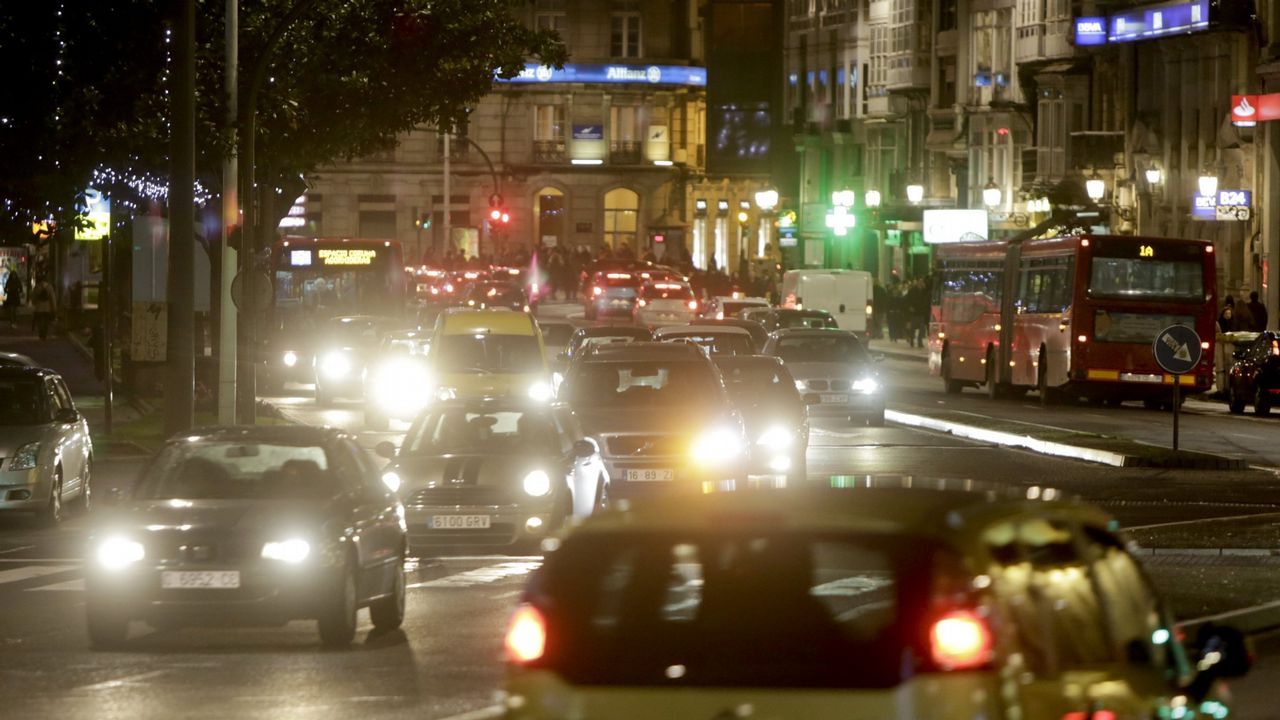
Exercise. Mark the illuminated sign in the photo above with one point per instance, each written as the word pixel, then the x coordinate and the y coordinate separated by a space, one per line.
pixel 297 216
pixel 1143 23
pixel 588 132
pixel 97 217
pixel 1227 206
pixel 345 256
pixel 300 258
pixel 1146 251
pixel 1091 31
pixel 612 74
pixel 952 226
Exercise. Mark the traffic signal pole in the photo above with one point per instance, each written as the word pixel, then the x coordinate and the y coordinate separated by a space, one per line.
pixel 179 396
pixel 228 314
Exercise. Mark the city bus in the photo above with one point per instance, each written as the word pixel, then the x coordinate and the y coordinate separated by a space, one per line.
pixel 317 278
pixel 1070 316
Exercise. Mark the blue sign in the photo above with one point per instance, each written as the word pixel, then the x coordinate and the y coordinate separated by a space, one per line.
pixel 1235 197
pixel 612 74
pixel 1177 349
pixel 1091 31
pixel 1158 20
pixel 588 132
pixel 1204 207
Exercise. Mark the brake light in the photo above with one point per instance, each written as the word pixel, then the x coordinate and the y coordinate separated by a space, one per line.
pixel 527 635
pixel 960 640
pixel 597 290
pixel 642 302
pixel 693 304
pixel 1275 348
pixel 1095 715
pixel 619 276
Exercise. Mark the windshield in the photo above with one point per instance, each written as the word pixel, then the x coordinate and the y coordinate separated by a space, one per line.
pixel 759 382
pixel 715 343
pixel 1147 279
pixel 406 345
pixel 486 353
pixel 807 320
pixel 333 290
pixel 22 402
pixel 834 348
pixel 220 470
pixel 642 384
pixel 733 609
pixel 463 431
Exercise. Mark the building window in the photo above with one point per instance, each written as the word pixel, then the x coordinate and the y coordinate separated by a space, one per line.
pixel 624 30
pixel 378 224
pixel 548 122
pixel 621 210
pixel 624 134
pixel 879 61
pixel 549 212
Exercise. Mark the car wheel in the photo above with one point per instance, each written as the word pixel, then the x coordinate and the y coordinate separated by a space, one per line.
pixel 108 625
pixel 1261 402
pixel 1235 403
pixel 337 622
pixel 84 501
pixel 52 512
pixel 602 495
pixel 388 613
pixel 1153 404
pixel 952 386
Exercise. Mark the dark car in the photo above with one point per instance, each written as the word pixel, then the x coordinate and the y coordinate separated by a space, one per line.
pixel 250 526
pixel 495 294
pixel 757 332
pixel 493 472
pixel 788 318
pixel 773 412
pixel 612 292
pixel 344 349
pixel 584 338
pixel 1254 377
pixel 834 371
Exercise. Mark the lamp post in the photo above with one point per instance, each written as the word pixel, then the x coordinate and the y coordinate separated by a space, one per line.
pixel 872 198
pixel 991 194
pixel 1095 187
pixel 915 193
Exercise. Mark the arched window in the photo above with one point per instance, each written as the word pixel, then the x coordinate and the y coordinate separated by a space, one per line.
pixel 621 210
pixel 549 213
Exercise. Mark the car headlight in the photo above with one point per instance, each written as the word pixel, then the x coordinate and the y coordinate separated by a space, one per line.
pixel 116 553
pixel 26 457
pixel 335 365
pixel 402 388
pixel 716 447
pixel 391 480
pixel 290 358
pixel 776 438
pixel 865 385
pixel 540 391
pixel 290 551
pixel 537 483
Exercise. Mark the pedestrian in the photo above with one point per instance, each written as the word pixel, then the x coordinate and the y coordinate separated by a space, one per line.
pixel 43 305
pixel 1227 315
pixel 1241 318
pixel 1258 311
pixel 12 297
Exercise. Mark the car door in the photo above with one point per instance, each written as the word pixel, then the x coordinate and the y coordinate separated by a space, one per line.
pixel 70 435
pixel 384 531
pixel 363 515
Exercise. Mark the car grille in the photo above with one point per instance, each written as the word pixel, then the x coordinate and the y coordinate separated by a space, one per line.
pixel 171 549
pixel 473 495
pixel 496 534
pixel 821 385
pixel 815 384
pixel 644 445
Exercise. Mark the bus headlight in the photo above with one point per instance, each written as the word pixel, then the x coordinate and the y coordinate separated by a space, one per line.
pixel 290 358
pixel 335 365
pixel 866 386
pixel 716 447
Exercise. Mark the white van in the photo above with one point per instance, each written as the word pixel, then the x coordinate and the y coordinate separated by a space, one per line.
pixel 846 294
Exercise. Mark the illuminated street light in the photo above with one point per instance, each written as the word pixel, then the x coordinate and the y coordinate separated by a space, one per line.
pixel 872 198
pixel 915 193
pixel 1208 185
pixel 843 198
pixel 1153 176
pixel 767 200
pixel 991 194
pixel 1095 187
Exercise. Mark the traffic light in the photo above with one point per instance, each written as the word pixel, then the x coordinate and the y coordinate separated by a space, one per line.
pixel 422 222
pixel 499 216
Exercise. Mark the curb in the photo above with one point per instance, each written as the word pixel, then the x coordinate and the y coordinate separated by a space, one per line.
pixel 1043 447
pixel 900 355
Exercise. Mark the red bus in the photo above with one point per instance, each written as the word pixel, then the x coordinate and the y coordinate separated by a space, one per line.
pixel 1071 316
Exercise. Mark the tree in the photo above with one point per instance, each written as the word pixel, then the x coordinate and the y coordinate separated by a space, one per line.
pixel 89 86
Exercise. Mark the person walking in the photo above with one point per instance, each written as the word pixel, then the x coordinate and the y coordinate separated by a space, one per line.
pixel 12 297
pixel 43 305
pixel 1258 311
pixel 1226 317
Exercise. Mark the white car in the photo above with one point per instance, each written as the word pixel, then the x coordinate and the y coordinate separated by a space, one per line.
pixel 44 440
pixel 728 306
pixel 715 339
pixel 665 303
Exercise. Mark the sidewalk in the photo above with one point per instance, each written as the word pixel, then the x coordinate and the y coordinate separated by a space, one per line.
pixel 899 350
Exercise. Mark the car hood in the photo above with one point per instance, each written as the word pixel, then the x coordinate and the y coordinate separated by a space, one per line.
pixel 236 517
pixel 681 420
pixel 13 437
pixel 493 385
pixel 849 371
pixel 465 471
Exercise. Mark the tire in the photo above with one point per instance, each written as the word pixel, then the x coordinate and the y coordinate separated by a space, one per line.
pixel 388 613
pixel 1261 403
pixel 602 495
pixel 992 384
pixel 876 419
pixel 1153 404
pixel 51 515
pixel 337 622
pixel 1048 396
pixel 108 626
pixel 84 501
pixel 951 385
pixel 1235 403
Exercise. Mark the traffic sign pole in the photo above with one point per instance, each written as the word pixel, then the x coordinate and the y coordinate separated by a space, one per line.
pixel 1177 351
pixel 1177 400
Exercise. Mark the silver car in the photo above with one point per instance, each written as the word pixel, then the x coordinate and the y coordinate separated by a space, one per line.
pixel 833 371
pixel 46 452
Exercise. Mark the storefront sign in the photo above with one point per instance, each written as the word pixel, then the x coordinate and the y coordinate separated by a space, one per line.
pixel 1143 23
pixel 612 74
pixel 950 226
pixel 346 256
pixel 1091 31
pixel 588 132
pixel 1227 205
pixel 1249 110
pixel 97 217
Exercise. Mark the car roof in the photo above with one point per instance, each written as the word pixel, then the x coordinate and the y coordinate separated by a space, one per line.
pixel 645 351
pixel 20 371
pixel 944 509
pixel 692 329
pixel 459 321
pixel 807 313
pixel 812 332
pixel 732 361
pixel 317 434
pixel 613 331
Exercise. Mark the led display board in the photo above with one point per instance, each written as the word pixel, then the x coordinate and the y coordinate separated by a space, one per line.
pixel 611 74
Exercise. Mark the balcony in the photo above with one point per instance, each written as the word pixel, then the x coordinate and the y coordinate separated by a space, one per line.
pixel 625 152
pixel 913 75
pixel 549 151
pixel 1043 41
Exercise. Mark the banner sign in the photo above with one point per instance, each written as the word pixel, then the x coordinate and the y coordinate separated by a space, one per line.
pixel 97 216
pixel 588 132
pixel 951 226
pixel 1142 23
pixel 1227 205
pixel 612 74
pixel 1249 110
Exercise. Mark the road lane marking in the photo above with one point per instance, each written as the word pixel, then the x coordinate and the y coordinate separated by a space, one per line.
pixel 70 585
pixel 17 549
pixel 481 576
pixel 492 711
pixel 30 572
pixel 1195 521
pixel 121 682
pixel 69 561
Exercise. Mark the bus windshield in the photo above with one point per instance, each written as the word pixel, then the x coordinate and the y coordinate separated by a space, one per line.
pixel 328 279
pixel 1146 279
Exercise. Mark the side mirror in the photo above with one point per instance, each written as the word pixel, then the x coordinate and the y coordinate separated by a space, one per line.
pixel 584 448
pixel 66 415
pixel 1221 652
pixel 385 449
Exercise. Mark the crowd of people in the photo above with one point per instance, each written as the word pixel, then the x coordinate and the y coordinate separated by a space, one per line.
pixel 1242 316
pixel 902 309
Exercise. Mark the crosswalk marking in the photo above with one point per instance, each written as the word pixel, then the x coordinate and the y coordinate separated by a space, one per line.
pixel 76 585
pixel 481 576
pixel 29 572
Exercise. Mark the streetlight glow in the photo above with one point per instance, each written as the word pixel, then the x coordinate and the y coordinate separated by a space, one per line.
pixel 1208 185
pixel 1153 176
pixel 843 198
pixel 767 199
pixel 915 193
pixel 1095 187
pixel 991 194
pixel 872 198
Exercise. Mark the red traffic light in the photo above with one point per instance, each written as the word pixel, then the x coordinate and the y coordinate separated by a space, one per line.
pixel 495 214
pixel 506 218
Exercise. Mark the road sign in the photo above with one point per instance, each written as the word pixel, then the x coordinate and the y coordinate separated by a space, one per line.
pixel 1177 349
pixel 262 286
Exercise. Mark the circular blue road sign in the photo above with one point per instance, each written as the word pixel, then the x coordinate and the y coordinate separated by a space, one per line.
pixel 1177 349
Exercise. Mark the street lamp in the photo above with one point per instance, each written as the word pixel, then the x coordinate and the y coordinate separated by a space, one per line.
pixel 915 193
pixel 843 198
pixel 872 198
pixel 1208 185
pixel 1153 175
pixel 991 194
pixel 767 200
pixel 1095 187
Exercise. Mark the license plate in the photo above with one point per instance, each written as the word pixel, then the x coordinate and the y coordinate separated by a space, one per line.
pixel 201 580
pixel 651 475
pixel 834 398
pixel 459 522
pixel 1142 378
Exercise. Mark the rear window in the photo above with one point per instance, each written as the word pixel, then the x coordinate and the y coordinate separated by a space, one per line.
pixel 756 608
pixel 617 279
pixel 642 384
pixel 715 343
pixel 732 308
pixel 813 321
pixel 666 292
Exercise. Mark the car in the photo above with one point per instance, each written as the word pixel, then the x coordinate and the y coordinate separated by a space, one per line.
pixel 495 294
pixel 729 306
pixel 612 293
pixel 661 416
pixel 589 337
pixel 288 350
pixel 649 272
pixel 489 353
pixel 1254 377
pixel 866 601
pixel 665 303
pixel 757 332
pixel 716 340
pixel 250 525
pixel 834 371
pixel 398 383
pixel 345 347
pixel 499 472
pixel 786 318
pixel 47 451
pixel 773 412
pixel 13 359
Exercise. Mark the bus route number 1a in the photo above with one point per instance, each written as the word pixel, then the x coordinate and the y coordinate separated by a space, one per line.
pixel 1146 251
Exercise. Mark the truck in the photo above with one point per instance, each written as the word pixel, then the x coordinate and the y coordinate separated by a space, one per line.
pixel 846 294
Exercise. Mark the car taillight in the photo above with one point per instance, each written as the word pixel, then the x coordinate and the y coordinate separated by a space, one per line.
pixel 642 302
pixel 527 636
pixel 960 640
pixel 1275 347
pixel 693 304
pixel 597 290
